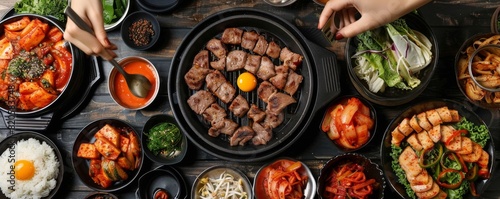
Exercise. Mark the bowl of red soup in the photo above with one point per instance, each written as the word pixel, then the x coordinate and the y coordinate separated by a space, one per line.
pixel 119 89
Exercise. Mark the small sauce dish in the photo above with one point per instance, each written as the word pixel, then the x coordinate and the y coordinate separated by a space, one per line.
pixel 118 87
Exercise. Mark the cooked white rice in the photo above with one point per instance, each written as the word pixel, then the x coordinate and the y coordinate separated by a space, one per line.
pixel 46 169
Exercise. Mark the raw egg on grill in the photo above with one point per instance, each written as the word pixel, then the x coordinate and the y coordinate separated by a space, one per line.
pixel 24 169
pixel 246 82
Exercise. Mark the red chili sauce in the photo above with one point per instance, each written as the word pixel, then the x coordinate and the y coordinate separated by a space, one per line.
pixel 122 92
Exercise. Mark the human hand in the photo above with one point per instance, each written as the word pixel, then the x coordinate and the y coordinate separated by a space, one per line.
pixel 374 13
pixel 91 12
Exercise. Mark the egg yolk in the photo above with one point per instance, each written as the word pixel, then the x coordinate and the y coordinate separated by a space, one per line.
pixel 24 169
pixel 247 82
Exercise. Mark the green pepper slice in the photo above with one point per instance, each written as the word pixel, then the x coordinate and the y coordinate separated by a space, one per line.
pixel 472 174
pixel 452 185
pixel 424 161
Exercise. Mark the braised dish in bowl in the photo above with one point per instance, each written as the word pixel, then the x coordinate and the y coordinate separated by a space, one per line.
pixel 483 70
pixel 107 155
pixel 393 64
pixel 351 175
pixel 441 147
pixel 36 61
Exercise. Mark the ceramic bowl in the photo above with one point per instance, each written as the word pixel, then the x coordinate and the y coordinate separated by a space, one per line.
pixel 280 3
pixel 140 30
pixel 118 87
pixel 164 159
pixel 370 169
pixel 366 115
pixel 87 135
pixel 216 172
pixel 117 22
pixel 393 96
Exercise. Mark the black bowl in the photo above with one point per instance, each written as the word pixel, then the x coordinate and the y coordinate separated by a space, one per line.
pixel 215 172
pixel 462 57
pixel 158 6
pixel 371 170
pixel 373 116
pixel 262 174
pixel 386 146
pixel 101 195
pixel 162 178
pixel 14 138
pixel 81 165
pixel 133 18
pixel 154 120
pixel 395 96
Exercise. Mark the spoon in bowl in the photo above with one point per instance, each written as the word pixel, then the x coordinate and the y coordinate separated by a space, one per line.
pixel 138 84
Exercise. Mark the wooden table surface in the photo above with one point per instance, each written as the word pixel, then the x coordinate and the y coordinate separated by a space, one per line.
pixel 452 22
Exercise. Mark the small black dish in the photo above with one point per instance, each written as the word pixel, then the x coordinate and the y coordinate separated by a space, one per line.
pixel 133 18
pixel 101 195
pixel 373 116
pixel 158 6
pixel 162 178
pixel 81 165
pixel 371 170
pixel 11 140
pixel 157 119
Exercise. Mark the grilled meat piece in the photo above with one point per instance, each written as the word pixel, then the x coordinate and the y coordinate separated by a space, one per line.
pixel 273 50
pixel 279 101
pixel 201 59
pixel 262 134
pixel 214 112
pixel 261 45
pixel 217 48
pixel 219 64
pixel 249 39
pixel 214 79
pixel 273 120
pixel 252 64
pixel 279 80
pixel 293 82
pixel 224 126
pixel 200 101
pixel 232 36
pixel 241 136
pixel 255 113
pixel 266 69
pixel 236 60
pixel 225 92
pixel 265 90
pixel 293 60
pixel 239 106
pixel 194 78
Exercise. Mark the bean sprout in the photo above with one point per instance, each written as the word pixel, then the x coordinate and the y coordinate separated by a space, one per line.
pixel 226 186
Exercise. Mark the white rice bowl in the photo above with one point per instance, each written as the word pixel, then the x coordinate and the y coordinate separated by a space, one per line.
pixel 46 169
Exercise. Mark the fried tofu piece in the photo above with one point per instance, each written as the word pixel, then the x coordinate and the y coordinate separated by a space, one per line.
pixel 423 122
pixel 475 155
pixel 88 151
pixel 110 133
pixel 433 117
pixel 425 140
pixel 444 113
pixel 414 124
pixel 107 149
pixel 435 133
pixel 404 127
pixel 397 136
pixel 409 162
pixel 466 146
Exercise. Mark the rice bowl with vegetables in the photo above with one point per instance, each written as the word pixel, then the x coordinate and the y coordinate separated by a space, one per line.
pixel 32 167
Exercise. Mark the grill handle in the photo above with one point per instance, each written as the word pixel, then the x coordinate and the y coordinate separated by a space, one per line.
pixel 327 75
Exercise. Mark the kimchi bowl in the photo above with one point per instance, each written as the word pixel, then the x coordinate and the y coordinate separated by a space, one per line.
pixel 36 62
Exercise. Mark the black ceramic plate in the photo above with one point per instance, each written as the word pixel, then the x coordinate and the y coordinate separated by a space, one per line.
pixel 81 165
pixel 395 96
pixel 12 139
pixel 158 5
pixel 215 172
pixel 261 175
pixel 157 119
pixel 385 149
pixel 166 178
pixel 371 170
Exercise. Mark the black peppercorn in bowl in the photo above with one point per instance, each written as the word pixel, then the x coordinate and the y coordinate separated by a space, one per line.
pixel 140 30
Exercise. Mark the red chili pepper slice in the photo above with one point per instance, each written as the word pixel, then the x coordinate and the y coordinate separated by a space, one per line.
pixel 453 185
